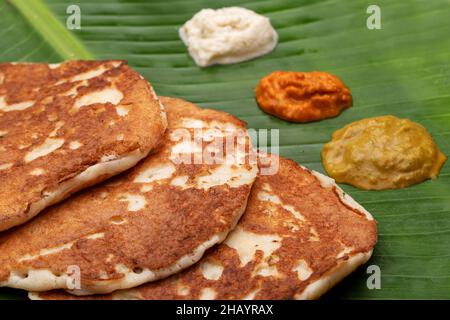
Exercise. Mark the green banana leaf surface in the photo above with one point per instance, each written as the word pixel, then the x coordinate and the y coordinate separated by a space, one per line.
pixel 402 69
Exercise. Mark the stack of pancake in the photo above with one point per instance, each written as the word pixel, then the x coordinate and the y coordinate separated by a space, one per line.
pixel 111 192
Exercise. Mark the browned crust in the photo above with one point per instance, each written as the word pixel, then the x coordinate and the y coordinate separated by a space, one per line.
pixel 173 223
pixel 142 128
pixel 336 224
pixel 178 109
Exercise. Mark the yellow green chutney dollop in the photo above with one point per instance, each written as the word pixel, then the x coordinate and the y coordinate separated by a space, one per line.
pixel 382 153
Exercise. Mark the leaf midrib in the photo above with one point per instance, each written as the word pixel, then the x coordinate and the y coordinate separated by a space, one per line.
pixel 51 30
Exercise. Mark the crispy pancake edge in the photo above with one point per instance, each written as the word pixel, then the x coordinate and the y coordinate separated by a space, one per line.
pixel 76 169
pixel 313 290
pixel 42 278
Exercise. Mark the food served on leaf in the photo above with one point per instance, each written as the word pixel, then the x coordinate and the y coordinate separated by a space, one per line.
pixel 382 153
pixel 227 35
pixel 298 237
pixel 302 96
pixel 147 223
pixel 66 126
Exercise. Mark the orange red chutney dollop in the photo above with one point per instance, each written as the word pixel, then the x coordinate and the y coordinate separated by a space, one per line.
pixel 302 96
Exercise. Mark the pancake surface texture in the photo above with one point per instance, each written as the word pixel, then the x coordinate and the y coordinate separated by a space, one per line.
pixel 299 236
pixel 144 224
pixel 67 126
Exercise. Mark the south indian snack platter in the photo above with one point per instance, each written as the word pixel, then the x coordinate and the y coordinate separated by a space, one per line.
pixel 110 190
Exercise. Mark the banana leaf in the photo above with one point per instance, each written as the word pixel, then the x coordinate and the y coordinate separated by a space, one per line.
pixel 402 69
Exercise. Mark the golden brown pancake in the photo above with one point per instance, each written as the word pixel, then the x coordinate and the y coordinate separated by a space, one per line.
pixel 142 225
pixel 299 236
pixel 67 126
